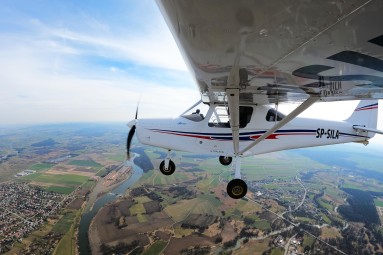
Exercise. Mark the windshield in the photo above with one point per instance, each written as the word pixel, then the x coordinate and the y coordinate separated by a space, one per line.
pixel 196 113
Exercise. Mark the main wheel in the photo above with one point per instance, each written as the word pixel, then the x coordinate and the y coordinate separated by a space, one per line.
pixel 236 188
pixel 225 160
pixel 170 170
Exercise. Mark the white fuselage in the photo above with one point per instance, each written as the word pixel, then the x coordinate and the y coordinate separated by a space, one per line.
pixel 205 137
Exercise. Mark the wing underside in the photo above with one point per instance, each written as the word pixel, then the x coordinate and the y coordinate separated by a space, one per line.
pixel 281 51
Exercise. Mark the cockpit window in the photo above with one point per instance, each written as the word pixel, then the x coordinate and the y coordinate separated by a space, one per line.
pixel 195 116
pixel 220 117
pixel 197 112
pixel 273 115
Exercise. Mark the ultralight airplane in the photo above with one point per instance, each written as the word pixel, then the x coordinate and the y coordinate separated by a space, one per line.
pixel 248 56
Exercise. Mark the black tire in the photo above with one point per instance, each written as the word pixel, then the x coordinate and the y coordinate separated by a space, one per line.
pixel 236 188
pixel 225 160
pixel 170 170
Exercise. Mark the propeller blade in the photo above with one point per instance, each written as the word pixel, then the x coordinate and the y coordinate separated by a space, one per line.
pixel 138 104
pixel 136 112
pixel 132 131
pixel 129 140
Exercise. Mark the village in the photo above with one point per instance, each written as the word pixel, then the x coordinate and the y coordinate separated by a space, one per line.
pixel 23 208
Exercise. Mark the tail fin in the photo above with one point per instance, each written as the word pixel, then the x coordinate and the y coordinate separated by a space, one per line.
pixel 365 114
pixel 365 117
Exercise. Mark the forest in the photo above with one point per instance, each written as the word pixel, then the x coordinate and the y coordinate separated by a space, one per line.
pixel 361 207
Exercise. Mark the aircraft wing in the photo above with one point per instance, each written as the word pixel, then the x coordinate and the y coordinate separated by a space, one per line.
pixel 281 51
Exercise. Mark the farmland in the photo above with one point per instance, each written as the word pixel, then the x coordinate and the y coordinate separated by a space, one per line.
pixel 89 163
pixel 65 159
pixel 195 202
pixel 190 210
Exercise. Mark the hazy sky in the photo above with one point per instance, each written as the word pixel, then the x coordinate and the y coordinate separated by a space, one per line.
pixel 88 61
pixel 91 60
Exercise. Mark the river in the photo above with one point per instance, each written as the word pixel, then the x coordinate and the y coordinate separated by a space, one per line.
pixel 109 197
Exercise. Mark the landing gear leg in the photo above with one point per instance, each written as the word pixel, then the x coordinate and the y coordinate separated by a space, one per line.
pixel 237 188
pixel 167 166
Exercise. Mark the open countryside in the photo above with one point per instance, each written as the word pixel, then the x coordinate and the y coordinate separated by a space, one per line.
pixel 290 208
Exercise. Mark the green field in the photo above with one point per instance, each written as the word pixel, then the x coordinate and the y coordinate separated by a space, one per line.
pixel 349 185
pixel 155 249
pixel 206 204
pixel 64 179
pixel 31 177
pixel 333 192
pixel 262 224
pixel 308 241
pixel 305 220
pixel 137 209
pixel 378 202
pixel 325 205
pixel 66 183
pixel 271 186
pixel 59 189
pixel 141 218
pixel 325 218
pixel 142 200
pixel 64 224
pixel 119 157
pixel 281 165
pixel 102 172
pixel 90 163
pixel 88 184
pixel 181 209
pixel 203 204
pixel 277 251
pixel 157 178
pixel 41 166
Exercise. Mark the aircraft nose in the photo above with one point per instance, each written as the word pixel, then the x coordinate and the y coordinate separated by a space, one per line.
pixel 131 123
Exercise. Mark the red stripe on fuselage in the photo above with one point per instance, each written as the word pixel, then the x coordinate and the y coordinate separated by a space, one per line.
pixel 187 135
pixel 368 108
pixel 275 136
pixel 254 137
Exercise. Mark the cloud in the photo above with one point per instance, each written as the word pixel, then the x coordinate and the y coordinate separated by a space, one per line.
pixel 79 61
pixel 78 66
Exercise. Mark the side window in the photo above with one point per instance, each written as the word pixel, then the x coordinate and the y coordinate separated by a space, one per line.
pixel 245 113
pixel 273 115
pixel 220 117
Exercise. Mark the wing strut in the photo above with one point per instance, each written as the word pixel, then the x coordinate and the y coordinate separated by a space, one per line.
pixel 306 104
pixel 233 100
pixel 191 107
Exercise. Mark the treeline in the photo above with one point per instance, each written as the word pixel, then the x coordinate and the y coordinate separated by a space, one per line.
pixel 47 142
pixel 354 240
pixel 197 250
pixel 181 191
pixel 361 207
pixel 122 248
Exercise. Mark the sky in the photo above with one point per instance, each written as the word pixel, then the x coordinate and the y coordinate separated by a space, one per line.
pixel 81 61
pixel 88 61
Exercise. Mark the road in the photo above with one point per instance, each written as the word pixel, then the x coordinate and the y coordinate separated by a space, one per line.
pixel 288 244
pixel 304 196
pixel 273 233
pixel 300 204
pixel 18 216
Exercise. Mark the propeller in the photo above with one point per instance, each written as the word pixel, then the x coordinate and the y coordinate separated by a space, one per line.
pixel 132 125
